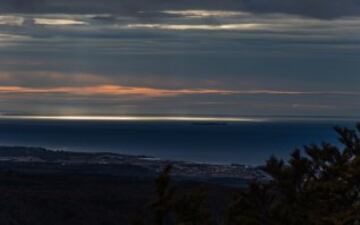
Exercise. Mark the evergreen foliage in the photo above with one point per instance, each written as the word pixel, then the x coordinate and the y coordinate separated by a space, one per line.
pixel 319 185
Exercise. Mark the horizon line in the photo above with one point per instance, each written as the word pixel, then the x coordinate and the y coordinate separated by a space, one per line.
pixel 137 118
pixel 245 118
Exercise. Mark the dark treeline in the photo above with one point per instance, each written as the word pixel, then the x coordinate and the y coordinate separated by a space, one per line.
pixel 319 185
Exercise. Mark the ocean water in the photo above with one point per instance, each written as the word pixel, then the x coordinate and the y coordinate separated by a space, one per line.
pixel 247 142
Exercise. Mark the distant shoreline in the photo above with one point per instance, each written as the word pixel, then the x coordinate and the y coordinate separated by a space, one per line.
pixel 212 142
pixel 120 164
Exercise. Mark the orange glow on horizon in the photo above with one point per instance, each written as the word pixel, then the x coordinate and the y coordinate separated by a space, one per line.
pixel 110 90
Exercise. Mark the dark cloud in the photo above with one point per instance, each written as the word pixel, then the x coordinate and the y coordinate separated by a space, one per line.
pixel 325 9
pixel 313 8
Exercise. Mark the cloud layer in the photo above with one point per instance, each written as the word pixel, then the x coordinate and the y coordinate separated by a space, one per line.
pixel 180 57
pixel 313 8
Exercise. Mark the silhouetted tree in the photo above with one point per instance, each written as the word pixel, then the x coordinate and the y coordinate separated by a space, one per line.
pixel 173 208
pixel 190 209
pixel 319 185
pixel 164 196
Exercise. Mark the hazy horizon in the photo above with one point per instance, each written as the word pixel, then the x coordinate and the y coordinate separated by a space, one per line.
pixel 177 117
pixel 246 141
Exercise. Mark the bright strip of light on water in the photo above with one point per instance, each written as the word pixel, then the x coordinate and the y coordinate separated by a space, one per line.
pixel 139 118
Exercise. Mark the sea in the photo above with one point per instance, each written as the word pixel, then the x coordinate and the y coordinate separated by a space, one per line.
pixel 249 141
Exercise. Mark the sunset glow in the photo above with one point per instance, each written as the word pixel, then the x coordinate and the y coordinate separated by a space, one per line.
pixel 179 58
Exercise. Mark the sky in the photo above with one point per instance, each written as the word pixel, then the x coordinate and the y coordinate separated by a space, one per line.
pixel 180 57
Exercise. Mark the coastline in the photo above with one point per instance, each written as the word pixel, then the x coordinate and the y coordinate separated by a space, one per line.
pixel 115 164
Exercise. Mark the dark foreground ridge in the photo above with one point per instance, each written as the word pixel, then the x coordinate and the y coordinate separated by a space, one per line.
pixel 41 187
pixel 318 185
pixel 43 161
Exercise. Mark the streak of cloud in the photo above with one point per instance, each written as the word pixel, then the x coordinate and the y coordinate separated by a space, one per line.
pixel 205 13
pixel 325 9
pixel 111 90
pixel 11 20
pixel 243 26
pixel 114 90
pixel 58 22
